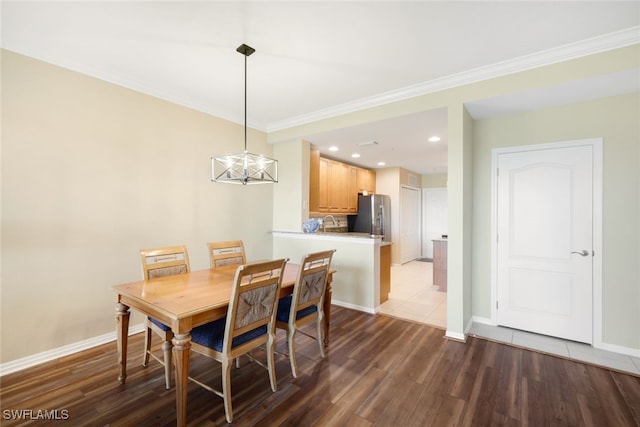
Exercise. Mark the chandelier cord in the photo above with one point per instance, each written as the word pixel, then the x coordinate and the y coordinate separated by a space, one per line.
pixel 245 103
pixel 245 168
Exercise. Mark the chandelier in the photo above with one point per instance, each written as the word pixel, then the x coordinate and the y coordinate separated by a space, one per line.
pixel 244 168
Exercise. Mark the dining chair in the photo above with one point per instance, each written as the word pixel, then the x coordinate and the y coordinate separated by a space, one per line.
pixel 249 324
pixel 159 262
pixel 227 253
pixel 305 305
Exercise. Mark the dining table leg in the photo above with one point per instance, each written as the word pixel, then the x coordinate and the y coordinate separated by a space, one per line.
pixel 327 309
pixel 122 329
pixel 181 353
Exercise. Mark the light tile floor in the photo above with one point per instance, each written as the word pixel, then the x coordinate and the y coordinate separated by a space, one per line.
pixel 413 297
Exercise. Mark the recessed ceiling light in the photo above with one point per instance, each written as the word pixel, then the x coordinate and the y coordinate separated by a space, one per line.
pixel 382 164
pixel 434 139
pixel 333 148
pixel 355 155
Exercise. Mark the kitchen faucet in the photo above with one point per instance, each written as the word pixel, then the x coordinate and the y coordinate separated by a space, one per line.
pixel 324 221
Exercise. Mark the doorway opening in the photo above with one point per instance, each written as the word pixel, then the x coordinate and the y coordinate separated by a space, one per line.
pixel 414 297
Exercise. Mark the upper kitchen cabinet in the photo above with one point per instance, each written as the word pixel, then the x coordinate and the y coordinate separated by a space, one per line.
pixel 366 181
pixel 334 186
pixel 337 185
pixel 352 189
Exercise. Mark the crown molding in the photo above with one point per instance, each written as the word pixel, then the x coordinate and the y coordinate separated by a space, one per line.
pixel 610 41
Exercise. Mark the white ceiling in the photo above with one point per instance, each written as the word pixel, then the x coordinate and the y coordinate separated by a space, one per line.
pixel 317 59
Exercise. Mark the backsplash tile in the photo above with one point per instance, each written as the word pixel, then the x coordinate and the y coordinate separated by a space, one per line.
pixel 340 225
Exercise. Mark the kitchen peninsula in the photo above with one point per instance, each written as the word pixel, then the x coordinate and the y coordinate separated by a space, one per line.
pixel 362 274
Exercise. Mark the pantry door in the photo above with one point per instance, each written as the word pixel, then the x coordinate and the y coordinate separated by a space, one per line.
pixel 544 240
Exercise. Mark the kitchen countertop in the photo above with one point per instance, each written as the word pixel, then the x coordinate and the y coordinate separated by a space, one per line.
pixel 337 235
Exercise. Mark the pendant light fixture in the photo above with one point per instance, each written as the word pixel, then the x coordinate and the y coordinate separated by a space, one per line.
pixel 244 168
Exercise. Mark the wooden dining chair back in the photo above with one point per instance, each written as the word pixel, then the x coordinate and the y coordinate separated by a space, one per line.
pixel 164 261
pixel 222 254
pixel 306 303
pixel 159 262
pixel 250 323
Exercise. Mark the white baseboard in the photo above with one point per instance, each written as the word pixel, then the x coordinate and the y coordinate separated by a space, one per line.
pixel 483 320
pixel 353 306
pixel 46 356
pixel 627 351
pixel 460 336
pixel 457 336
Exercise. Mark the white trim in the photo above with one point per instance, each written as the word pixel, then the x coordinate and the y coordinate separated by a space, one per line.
pixel 455 336
pixel 598 177
pixel 400 222
pixel 468 327
pixel 628 351
pixel 46 356
pixel 615 40
pixel 596 144
pixel 483 320
pixel 353 306
pixel 423 219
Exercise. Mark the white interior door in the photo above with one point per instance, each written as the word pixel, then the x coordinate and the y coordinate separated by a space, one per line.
pixel 409 224
pixel 545 241
pixel 434 218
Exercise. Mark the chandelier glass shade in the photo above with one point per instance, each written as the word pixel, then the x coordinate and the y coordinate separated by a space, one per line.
pixel 244 168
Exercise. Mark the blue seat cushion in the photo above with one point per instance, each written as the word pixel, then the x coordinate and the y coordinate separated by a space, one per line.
pixel 211 335
pixel 159 324
pixel 284 306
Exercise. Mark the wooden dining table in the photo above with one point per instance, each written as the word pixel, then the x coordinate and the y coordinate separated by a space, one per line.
pixel 184 301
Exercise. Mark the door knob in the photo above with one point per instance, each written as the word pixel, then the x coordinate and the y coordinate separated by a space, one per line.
pixel 583 252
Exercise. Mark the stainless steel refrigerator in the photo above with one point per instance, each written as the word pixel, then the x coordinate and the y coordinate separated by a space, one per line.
pixel 374 216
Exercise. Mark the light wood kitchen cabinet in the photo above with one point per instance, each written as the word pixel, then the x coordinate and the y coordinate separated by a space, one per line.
pixel 334 186
pixel 314 181
pixel 385 272
pixel 337 187
pixel 366 181
pixel 323 186
pixel 352 195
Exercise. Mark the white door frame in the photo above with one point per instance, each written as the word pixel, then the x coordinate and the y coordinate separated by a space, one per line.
pixel 596 144
pixel 419 219
pixel 425 224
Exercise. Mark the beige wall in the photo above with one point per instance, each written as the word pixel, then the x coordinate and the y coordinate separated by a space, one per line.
pixel 291 195
pixel 616 120
pixel 409 178
pixel 459 194
pixel 92 172
pixel 461 187
pixel 438 180
pixel 356 261
pixel 388 182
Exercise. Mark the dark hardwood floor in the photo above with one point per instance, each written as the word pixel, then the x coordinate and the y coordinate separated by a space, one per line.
pixel 378 371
